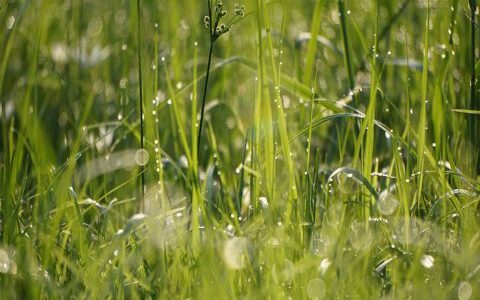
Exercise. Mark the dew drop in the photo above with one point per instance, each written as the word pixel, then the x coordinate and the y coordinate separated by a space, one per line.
pixel 427 261
pixel 141 157
pixel 464 290
pixel 4 261
pixel 263 202
pixel 347 183
pixel 123 83
pixel 183 162
pixel 10 22
pixel 324 265
pixel 387 203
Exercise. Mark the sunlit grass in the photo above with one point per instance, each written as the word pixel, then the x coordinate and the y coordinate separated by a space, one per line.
pixel 259 149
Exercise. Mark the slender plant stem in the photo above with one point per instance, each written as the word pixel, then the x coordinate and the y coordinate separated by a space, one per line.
pixel 346 48
pixel 204 98
pixel 473 101
pixel 140 93
pixel 472 53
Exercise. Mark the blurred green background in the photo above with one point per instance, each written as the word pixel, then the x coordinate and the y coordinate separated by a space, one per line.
pixel 69 92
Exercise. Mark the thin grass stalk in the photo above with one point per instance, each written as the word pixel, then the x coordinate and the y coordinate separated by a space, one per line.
pixel 370 118
pixel 423 111
pixel 473 119
pixel 312 44
pixel 346 46
pixel 204 98
pixel 140 104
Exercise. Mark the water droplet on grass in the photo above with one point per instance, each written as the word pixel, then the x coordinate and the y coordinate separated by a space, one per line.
pixel 10 22
pixel 4 261
pixel 387 203
pixel 263 202
pixel 141 157
pixel 465 290
pixel 123 83
pixel 347 183
pixel 183 162
pixel 427 261
pixel 137 218
pixel 316 289
pixel 238 169
pixel 230 230
pixel 324 265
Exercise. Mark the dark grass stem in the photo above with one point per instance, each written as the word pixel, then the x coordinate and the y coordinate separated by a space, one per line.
pixel 216 29
pixel 204 99
pixel 140 94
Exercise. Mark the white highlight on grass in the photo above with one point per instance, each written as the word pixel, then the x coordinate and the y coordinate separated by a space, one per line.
pixel 263 202
pixel 427 261
pixel 4 261
pixel 7 264
pixel 137 218
pixel 183 162
pixel 324 265
pixel 59 53
pixel 10 22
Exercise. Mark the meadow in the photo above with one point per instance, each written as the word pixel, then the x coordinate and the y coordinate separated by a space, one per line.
pixel 250 149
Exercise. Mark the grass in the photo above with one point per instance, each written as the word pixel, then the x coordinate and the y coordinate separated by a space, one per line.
pixel 305 150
